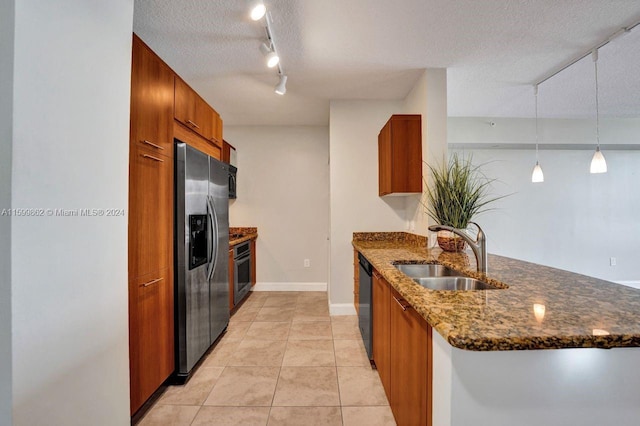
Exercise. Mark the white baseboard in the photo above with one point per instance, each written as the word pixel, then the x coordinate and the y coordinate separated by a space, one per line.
pixel 634 283
pixel 336 309
pixel 290 287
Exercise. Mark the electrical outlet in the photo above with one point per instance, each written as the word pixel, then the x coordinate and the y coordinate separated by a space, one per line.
pixel 307 263
pixel 612 261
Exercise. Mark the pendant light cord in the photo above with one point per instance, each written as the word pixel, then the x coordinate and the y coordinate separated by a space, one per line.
pixel 535 91
pixel 595 61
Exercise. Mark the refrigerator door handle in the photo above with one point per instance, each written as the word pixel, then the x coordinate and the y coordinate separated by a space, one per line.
pixel 214 237
pixel 209 239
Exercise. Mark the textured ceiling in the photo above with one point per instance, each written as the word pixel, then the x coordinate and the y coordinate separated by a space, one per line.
pixel 375 49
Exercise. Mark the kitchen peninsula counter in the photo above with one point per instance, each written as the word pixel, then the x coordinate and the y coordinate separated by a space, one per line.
pixel 571 310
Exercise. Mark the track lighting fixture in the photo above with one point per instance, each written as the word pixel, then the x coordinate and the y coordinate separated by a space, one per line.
pixel 268 47
pixel 598 163
pixel 257 9
pixel 281 88
pixel 537 176
pixel 269 53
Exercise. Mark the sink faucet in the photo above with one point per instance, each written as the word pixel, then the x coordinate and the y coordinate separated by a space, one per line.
pixel 479 246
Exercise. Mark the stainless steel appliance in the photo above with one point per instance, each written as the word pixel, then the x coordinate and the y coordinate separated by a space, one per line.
pixel 233 171
pixel 201 251
pixel 241 271
pixel 364 307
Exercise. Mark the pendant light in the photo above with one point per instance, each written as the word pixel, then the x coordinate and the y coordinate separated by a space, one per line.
pixel 537 176
pixel 598 163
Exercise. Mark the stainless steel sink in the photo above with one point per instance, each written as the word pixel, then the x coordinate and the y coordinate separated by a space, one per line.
pixel 427 270
pixel 439 277
pixel 453 283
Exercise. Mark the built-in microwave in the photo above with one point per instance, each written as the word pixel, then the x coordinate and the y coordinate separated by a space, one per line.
pixel 232 181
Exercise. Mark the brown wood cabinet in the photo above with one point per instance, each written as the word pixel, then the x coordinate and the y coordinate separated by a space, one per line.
pixel 381 305
pixel 192 111
pixel 402 354
pixel 411 363
pixel 217 127
pixel 400 155
pixel 151 101
pixel 226 151
pixel 150 212
pixel 151 337
pixel 181 132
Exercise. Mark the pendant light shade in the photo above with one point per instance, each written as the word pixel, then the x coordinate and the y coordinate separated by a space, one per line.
pixel 537 176
pixel 598 163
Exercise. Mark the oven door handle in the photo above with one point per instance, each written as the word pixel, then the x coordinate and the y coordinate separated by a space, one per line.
pixel 214 237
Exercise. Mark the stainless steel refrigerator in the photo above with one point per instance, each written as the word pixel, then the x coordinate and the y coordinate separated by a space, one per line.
pixel 201 253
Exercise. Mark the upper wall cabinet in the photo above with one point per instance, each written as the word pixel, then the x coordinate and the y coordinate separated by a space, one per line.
pixel 400 155
pixel 192 111
pixel 151 101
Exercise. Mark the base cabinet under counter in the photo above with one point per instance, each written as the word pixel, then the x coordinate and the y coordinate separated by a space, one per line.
pixel 402 352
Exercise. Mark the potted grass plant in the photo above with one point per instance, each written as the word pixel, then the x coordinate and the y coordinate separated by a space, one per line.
pixel 458 192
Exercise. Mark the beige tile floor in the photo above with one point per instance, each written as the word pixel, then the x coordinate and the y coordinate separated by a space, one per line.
pixel 282 361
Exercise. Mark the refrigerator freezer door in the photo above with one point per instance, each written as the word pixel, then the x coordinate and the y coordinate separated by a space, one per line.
pixel 219 281
pixel 192 287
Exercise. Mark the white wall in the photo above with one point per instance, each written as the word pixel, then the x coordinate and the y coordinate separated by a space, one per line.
pixel 574 220
pixel 6 135
pixel 621 131
pixel 283 189
pixel 70 151
pixel 428 98
pixel 355 204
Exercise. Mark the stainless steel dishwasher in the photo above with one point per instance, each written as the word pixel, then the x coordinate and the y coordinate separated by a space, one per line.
pixel 364 306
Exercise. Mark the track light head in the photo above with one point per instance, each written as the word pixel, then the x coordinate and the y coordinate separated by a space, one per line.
pixel 272 57
pixel 281 88
pixel 257 9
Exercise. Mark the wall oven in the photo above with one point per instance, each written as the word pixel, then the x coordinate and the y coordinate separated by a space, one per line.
pixel 242 271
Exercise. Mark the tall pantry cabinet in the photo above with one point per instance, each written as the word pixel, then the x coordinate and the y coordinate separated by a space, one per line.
pixel 151 322
pixel 163 107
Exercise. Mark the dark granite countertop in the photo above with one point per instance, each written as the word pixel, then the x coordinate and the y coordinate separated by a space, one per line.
pixel 579 311
pixel 238 235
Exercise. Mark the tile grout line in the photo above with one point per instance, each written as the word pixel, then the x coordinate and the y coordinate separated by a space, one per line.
pixel 335 357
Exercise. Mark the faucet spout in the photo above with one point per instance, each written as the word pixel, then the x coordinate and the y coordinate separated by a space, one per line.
pixel 478 246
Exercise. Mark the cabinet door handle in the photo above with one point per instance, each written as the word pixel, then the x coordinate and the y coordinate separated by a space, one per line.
pixel 147 284
pixel 193 124
pixel 152 158
pixel 402 305
pixel 152 144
